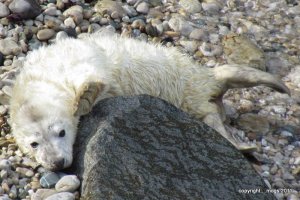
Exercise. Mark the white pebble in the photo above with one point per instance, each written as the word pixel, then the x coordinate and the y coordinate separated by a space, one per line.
pixel 61 196
pixel 52 11
pixel 67 183
pixel 143 8
pixel 69 22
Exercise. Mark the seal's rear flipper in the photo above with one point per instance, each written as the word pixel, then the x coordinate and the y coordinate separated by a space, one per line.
pixel 214 121
pixel 237 76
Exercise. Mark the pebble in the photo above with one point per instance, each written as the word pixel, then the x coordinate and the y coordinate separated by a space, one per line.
pixel 68 183
pixel 9 47
pixel 4 11
pixel 7 90
pixel 178 24
pixel 210 50
pixel 189 46
pixel 199 34
pixel 61 196
pixel 211 8
pixel 76 12
pixel 288 176
pixel 292 197
pixel 143 8
pixel 49 180
pixel 294 75
pixel 52 11
pixel 61 35
pixel 25 172
pixel 238 49
pixel 26 9
pixel 5 197
pixel 192 6
pixel 129 10
pixel 43 194
pixel 45 34
pixel 69 22
pixel 7 62
pixel 3 110
pixel 108 7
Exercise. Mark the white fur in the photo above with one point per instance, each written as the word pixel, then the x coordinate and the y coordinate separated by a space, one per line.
pixel 54 78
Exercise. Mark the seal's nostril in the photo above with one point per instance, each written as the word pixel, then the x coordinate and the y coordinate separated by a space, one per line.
pixel 59 163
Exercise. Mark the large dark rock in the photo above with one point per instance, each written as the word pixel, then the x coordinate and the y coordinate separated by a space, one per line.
pixel 144 148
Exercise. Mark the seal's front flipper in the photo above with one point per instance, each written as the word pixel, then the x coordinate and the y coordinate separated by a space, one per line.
pixel 86 97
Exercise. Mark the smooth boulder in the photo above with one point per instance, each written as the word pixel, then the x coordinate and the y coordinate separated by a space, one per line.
pixel 144 148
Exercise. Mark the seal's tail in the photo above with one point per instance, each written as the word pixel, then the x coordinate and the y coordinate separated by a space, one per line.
pixel 237 76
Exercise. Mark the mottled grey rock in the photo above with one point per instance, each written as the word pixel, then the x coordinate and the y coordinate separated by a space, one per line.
pixel 26 9
pixel 137 147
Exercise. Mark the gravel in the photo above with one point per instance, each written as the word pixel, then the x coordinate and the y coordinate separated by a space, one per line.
pixel 262 34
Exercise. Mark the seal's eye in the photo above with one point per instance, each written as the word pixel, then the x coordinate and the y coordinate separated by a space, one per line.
pixel 34 145
pixel 62 133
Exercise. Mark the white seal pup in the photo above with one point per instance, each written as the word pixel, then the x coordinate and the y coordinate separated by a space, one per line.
pixel 63 81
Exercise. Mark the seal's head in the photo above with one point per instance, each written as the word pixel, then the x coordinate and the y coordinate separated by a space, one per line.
pixel 47 133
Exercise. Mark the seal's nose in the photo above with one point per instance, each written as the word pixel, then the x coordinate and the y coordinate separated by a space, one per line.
pixel 59 163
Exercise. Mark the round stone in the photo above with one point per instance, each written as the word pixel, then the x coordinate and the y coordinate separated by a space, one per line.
pixel 45 34
pixel 199 34
pixel 26 9
pixel 5 164
pixel 9 47
pixel 49 180
pixel 69 22
pixel 4 11
pixel 68 183
pixel 192 6
pixel 76 12
pixel 143 8
pixel 52 11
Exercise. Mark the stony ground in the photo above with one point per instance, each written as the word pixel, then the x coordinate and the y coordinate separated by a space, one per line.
pixel 262 34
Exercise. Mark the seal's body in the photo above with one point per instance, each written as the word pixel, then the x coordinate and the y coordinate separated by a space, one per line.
pixel 63 81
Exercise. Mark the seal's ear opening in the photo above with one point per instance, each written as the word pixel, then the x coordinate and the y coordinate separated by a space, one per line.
pixel 86 97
